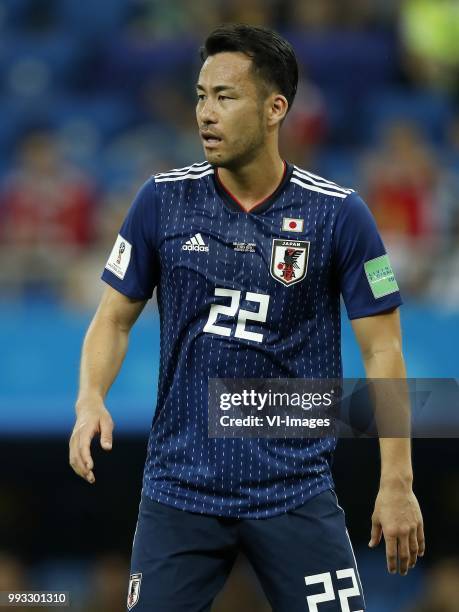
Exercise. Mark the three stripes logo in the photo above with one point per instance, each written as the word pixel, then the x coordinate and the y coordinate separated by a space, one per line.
pixel 196 243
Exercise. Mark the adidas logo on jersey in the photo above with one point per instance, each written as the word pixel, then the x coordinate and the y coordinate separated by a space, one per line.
pixel 196 243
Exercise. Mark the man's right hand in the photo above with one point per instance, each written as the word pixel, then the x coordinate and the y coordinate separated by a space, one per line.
pixel 92 418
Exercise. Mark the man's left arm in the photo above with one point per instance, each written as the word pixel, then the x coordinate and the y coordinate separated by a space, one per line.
pixel 396 515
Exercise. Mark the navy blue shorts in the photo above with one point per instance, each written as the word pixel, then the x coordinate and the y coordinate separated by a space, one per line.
pixel 303 558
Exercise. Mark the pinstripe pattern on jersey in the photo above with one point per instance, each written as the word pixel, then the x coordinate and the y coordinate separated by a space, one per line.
pixel 250 478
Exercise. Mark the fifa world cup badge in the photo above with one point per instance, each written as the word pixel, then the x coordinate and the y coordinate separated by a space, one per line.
pixel 120 252
pixel 134 590
pixel 119 259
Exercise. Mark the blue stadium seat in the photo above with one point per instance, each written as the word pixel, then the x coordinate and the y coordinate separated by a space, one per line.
pixel 128 64
pixel 352 61
pixel 10 125
pixel 107 113
pixel 430 110
pixel 339 166
pixel 58 52
pixel 92 19
pixel 15 12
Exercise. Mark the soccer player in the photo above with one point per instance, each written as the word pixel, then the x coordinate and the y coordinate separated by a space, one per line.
pixel 249 255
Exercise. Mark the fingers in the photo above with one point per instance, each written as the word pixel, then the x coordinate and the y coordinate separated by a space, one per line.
pixel 421 539
pixel 80 452
pixel 85 458
pixel 398 514
pixel 376 534
pixel 410 547
pixel 106 432
pixel 404 551
pixel 413 548
pixel 391 553
pixel 80 442
pixel 84 447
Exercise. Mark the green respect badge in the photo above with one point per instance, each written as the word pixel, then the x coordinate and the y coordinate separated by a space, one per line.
pixel 380 276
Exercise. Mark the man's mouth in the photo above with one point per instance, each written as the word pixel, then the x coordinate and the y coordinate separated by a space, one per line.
pixel 210 140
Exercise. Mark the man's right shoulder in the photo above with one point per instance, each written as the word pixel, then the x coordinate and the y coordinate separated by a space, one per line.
pixel 193 172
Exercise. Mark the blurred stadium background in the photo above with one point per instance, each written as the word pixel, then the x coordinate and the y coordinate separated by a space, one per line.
pixel 95 97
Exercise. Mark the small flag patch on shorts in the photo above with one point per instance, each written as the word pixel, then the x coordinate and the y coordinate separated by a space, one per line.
pixel 134 589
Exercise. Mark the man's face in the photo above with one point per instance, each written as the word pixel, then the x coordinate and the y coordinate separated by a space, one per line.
pixel 230 110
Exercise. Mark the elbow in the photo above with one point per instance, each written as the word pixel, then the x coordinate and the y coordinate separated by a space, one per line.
pixel 107 320
pixel 389 347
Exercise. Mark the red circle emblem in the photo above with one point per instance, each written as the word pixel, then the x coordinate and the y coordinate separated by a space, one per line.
pixel 292 224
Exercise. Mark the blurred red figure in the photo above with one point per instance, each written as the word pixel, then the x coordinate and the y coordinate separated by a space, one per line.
pixel 401 182
pixel 46 201
pixel 305 127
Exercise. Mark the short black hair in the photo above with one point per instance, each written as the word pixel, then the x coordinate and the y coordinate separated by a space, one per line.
pixel 273 57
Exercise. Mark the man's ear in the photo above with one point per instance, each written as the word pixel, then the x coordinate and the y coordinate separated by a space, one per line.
pixel 278 107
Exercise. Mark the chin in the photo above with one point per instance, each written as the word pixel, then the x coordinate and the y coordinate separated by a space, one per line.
pixel 219 161
pixel 216 160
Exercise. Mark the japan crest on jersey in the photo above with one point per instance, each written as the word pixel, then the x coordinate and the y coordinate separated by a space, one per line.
pixel 289 260
pixel 134 590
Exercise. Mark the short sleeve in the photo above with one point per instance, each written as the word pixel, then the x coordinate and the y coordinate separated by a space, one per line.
pixel 366 279
pixel 132 267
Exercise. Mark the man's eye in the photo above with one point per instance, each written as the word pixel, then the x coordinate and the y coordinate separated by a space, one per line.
pixel 200 96
pixel 224 98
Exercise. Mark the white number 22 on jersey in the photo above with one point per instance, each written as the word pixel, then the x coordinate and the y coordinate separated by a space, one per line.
pixel 329 594
pixel 211 326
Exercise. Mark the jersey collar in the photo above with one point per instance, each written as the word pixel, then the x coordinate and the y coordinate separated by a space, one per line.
pixel 233 204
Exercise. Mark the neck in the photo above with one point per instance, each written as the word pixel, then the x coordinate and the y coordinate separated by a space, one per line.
pixel 254 181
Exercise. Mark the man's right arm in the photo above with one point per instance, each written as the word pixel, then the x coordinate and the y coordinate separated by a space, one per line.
pixel 104 349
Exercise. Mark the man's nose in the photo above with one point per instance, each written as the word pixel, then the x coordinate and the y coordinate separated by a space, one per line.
pixel 207 112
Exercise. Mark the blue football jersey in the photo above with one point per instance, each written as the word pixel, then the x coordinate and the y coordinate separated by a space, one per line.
pixel 244 295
